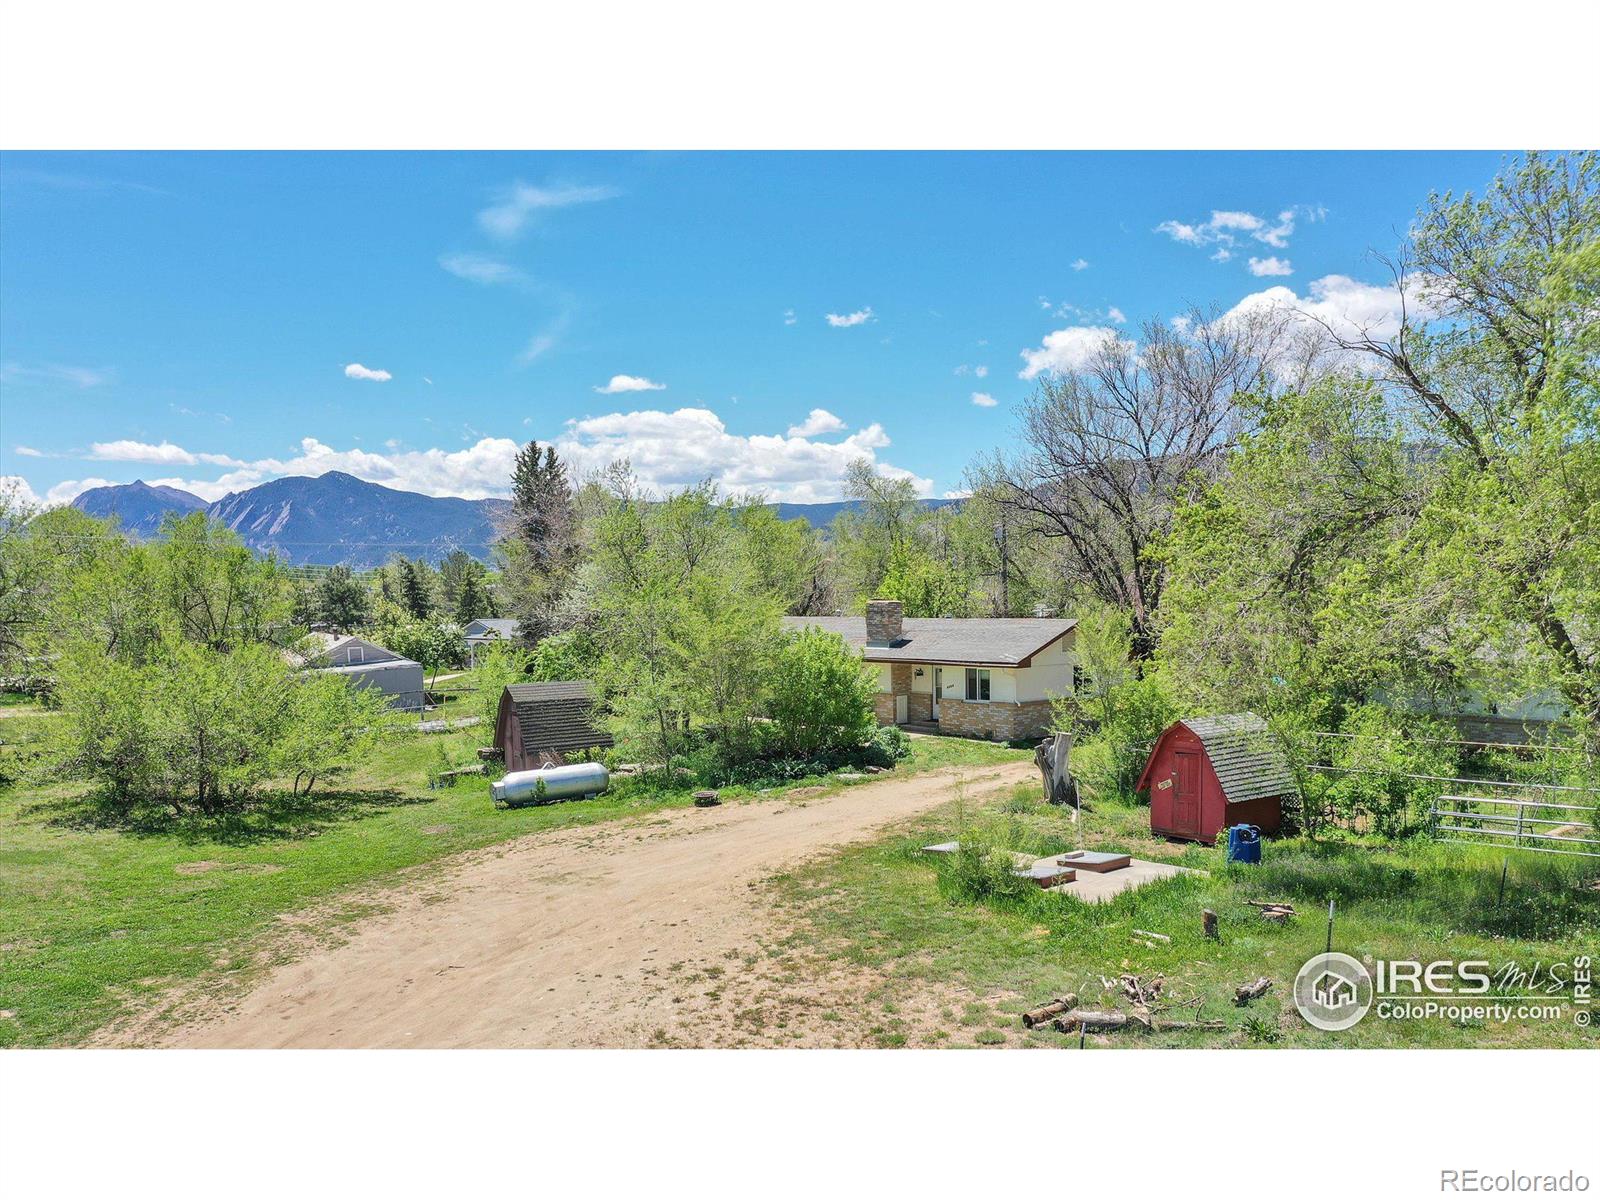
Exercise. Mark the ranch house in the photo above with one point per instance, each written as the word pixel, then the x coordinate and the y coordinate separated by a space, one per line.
pixel 986 677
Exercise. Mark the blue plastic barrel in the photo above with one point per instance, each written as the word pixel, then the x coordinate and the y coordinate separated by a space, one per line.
pixel 1244 844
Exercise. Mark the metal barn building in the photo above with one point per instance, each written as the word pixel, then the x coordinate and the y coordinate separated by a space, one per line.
pixel 1207 773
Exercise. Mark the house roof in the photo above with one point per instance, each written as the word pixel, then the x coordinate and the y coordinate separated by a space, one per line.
pixel 556 716
pixel 329 650
pixel 1248 762
pixel 961 641
pixel 505 627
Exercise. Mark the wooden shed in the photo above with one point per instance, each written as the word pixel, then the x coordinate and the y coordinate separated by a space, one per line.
pixel 1208 773
pixel 541 723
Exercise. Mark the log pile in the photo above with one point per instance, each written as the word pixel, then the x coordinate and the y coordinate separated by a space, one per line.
pixel 1276 911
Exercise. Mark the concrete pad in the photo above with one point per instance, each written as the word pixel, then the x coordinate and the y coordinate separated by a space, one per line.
pixel 942 848
pixel 1097 888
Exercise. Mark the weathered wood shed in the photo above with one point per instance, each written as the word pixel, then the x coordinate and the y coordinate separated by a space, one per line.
pixel 1207 773
pixel 541 723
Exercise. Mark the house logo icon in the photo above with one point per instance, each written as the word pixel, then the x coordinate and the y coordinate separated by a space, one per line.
pixel 1333 991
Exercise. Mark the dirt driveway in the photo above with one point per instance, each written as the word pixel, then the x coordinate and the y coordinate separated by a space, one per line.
pixel 643 933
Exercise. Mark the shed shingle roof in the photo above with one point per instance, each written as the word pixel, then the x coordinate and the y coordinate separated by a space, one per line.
pixel 557 716
pixel 1248 762
pixel 978 641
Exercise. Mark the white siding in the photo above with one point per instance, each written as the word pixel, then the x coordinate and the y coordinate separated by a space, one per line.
pixel 1049 675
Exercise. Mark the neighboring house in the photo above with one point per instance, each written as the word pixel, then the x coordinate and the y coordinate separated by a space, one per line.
pixel 1208 773
pixel 988 677
pixel 366 664
pixel 541 723
pixel 485 630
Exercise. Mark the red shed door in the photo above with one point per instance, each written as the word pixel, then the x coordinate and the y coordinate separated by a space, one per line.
pixel 1186 797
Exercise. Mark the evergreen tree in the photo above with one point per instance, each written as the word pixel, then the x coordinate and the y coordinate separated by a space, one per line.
pixel 540 546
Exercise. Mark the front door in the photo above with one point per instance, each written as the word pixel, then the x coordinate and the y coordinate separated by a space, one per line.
pixel 1186 798
pixel 938 688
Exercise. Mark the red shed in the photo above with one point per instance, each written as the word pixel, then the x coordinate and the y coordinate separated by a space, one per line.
pixel 1208 773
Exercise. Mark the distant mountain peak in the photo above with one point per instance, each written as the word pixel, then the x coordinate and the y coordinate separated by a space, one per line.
pixel 325 519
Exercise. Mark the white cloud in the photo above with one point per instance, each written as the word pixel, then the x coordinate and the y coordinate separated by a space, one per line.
pixel 984 400
pixel 675 449
pixel 28 452
pixel 1272 265
pixel 357 371
pixel 482 469
pixel 820 420
pixel 958 495
pixel 509 216
pixel 1069 349
pixel 1116 314
pixel 860 317
pixel 982 372
pixel 630 383
pixel 79 377
pixel 1224 228
pixel 1081 264
pixel 1337 302
pixel 480 268
pixel 16 487
pixel 667 450
pixel 164 454
pixel 788 316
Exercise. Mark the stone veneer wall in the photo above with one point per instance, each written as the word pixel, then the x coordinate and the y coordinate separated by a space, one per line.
pixel 1000 721
pixel 899 685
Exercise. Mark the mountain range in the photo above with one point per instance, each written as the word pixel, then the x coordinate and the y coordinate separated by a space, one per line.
pixel 337 518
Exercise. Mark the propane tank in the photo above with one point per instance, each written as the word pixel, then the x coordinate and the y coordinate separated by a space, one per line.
pixel 549 784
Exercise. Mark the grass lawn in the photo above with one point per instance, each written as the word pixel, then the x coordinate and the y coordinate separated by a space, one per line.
pixel 891 908
pixel 96 917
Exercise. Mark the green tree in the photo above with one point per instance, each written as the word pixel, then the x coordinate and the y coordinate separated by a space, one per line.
pixel 540 541
pixel 330 723
pixel 1495 364
pixel 417 587
pixel 341 599
pixel 820 695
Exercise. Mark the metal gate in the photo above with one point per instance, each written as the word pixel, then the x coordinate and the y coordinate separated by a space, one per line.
pixel 1543 826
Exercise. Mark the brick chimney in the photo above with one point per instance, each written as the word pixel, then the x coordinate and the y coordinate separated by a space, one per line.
pixel 885 620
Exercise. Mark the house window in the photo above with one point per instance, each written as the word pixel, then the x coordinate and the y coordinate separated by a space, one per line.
pixel 977 684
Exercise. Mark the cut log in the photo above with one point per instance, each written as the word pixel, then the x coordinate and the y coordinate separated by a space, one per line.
pixel 1092 1021
pixel 1043 1013
pixel 1181 1026
pixel 1253 990
pixel 1208 922
pixel 1270 904
pixel 706 799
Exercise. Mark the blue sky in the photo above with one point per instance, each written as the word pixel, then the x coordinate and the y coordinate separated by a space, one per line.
pixel 214 320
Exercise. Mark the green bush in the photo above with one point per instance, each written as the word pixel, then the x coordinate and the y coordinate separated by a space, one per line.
pixel 1114 732
pixel 1375 758
pixel 887 746
pixel 981 871
pixel 201 729
pixel 821 696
